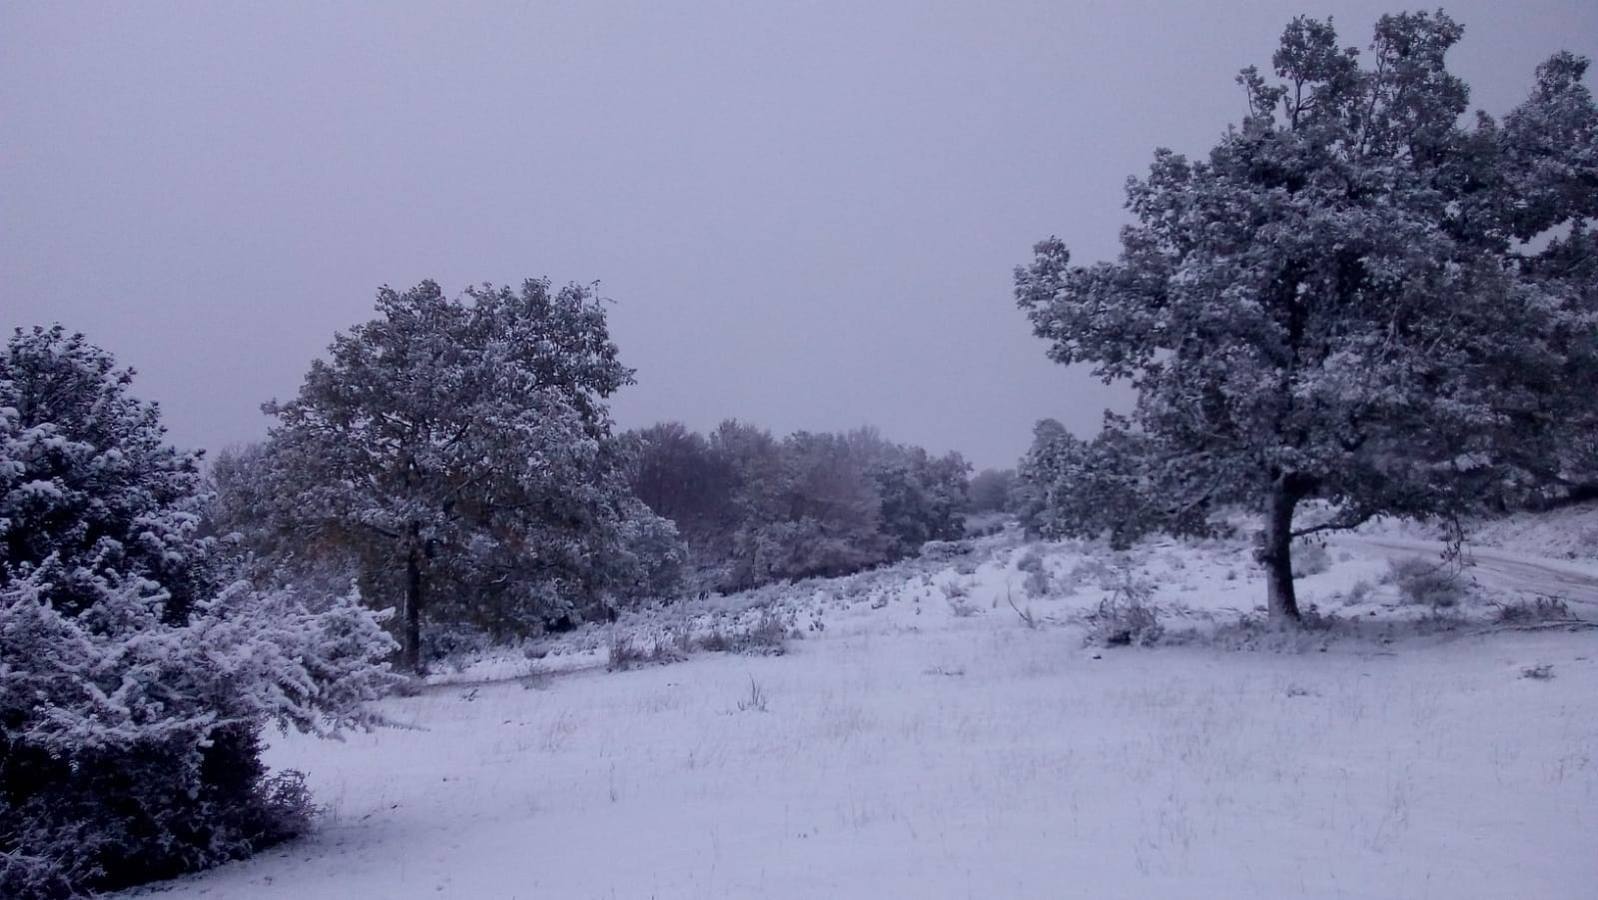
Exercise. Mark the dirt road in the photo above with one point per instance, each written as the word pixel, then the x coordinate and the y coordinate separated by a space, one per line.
pixel 1501 571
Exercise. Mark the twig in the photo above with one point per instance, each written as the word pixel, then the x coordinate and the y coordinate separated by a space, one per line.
pixel 1030 620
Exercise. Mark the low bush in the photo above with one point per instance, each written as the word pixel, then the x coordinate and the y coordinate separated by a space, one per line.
pixel 130 750
pixel 1030 561
pixel 1310 558
pixel 962 608
pixel 755 701
pixel 1037 583
pixel 945 550
pixel 1427 584
pixel 1543 609
pixel 766 636
pixel 630 653
pixel 1541 672
pixel 1126 618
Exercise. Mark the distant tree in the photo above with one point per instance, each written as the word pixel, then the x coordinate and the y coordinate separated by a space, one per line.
pixel 134 684
pixel 1098 489
pixel 1029 495
pixel 1345 301
pixel 679 475
pixel 466 444
pixel 759 467
pixel 755 509
pixel 921 497
pixel 820 517
pixel 243 514
pixel 990 490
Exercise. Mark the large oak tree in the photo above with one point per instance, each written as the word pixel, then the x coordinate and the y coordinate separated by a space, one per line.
pixel 1359 297
pixel 462 449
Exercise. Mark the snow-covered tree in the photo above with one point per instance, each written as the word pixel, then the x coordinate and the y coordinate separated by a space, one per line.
pixel 820 515
pixel 1354 298
pixel 921 497
pixel 134 687
pixel 682 477
pixel 87 476
pixel 989 491
pixel 757 509
pixel 465 443
pixel 1100 488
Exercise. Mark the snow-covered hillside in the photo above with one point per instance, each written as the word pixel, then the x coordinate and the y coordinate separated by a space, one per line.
pixel 919 739
pixel 1567 532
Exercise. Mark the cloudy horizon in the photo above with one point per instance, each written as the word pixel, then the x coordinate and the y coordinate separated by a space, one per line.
pixel 806 219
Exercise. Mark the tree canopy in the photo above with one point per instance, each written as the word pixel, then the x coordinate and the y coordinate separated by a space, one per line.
pixel 467 443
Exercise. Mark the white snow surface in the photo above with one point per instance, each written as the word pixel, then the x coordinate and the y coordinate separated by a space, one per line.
pixel 913 745
pixel 1567 532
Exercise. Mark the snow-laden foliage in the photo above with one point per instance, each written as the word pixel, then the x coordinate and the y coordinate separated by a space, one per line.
pixel 1346 301
pixel 923 497
pixel 132 692
pixel 459 451
pixel 86 475
pixel 129 746
pixel 1071 488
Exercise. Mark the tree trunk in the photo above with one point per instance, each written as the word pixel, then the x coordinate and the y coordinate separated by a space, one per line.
pixel 412 650
pixel 1275 553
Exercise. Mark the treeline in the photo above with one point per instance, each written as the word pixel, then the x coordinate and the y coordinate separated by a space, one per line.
pixel 752 508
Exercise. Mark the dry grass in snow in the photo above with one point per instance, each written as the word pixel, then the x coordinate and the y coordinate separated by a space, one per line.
pixel 906 750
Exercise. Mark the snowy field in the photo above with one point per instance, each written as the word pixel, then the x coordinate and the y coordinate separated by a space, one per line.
pixel 918 739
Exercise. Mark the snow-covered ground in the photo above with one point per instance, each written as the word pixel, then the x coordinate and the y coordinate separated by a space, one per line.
pixel 919 740
pixel 1567 532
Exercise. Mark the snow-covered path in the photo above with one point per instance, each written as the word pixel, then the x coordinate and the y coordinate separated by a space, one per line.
pixel 1500 570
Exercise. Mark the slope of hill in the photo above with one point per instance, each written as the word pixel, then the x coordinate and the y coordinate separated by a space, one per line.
pixel 918 738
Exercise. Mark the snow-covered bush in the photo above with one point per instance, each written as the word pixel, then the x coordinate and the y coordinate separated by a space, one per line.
pixel 133 690
pixel 1030 561
pixel 130 745
pixel 767 635
pixel 942 551
pixel 651 559
pixel 629 652
pixel 1127 617
pixel 1038 582
pixel 1542 609
pixel 1310 558
pixel 962 608
pixel 1426 584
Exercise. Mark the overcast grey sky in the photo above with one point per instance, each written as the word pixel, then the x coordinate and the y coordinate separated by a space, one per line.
pixel 807 213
